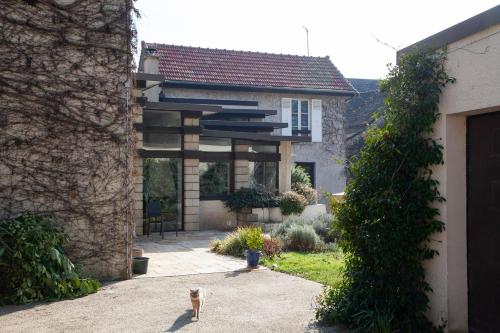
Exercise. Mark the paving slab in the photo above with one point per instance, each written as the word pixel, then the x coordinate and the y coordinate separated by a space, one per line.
pixel 186 254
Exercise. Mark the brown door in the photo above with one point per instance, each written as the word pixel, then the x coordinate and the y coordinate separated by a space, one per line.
pixel 483 222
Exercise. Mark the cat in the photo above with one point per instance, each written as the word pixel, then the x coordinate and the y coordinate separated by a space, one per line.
pixel 197 299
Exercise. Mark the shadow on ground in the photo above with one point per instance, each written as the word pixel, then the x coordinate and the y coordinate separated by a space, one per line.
pixel 184 319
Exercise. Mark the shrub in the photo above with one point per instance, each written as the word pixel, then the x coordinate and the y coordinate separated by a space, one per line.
pixel 272 246
pixel 302 238
pixel 237 241
pixel 33 264
pixel 292 203
pixel 254 239
pixel 257 197
pixel 388 214
pixel 281 229
pixel 322 224
pixel 307 192
pixel 300 176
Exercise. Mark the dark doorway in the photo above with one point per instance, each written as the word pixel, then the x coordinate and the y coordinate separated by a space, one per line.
pixel 309 167
pixel 483 222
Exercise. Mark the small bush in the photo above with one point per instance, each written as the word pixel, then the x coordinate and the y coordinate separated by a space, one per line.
pixel 272 247
pixel 322 224
pixel 238 241
pixel 33 264
pixel 302 238
pixel 281 229
pixel 308 192
pixel 300 176
pixel 257 197
pixel 292 203
pixel 254 239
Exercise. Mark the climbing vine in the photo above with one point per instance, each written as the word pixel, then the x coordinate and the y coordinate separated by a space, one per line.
pixel 65 122
pixel 388 217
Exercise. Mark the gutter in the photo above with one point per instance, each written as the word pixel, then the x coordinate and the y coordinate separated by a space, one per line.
pixel 231 87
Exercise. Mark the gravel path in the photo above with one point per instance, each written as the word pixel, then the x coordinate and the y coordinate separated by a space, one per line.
pixel 257 301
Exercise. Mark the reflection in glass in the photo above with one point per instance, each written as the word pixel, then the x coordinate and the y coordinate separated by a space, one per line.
pixel 163 183
pixel 214 179
pixel 264 174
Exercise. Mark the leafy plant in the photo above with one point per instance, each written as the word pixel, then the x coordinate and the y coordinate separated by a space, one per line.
pixel 257 197
pixel 302 238
pixel 33 265
pixel 300 176
pixel 272 246
pixel 307 192
pixel 254 239
pixel 292 203
pixel 237 242
pixel 387 216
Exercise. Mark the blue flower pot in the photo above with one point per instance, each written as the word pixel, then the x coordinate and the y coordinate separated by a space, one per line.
pixel 253 258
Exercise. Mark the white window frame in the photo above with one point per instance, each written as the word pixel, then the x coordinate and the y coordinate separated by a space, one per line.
pixel 299 113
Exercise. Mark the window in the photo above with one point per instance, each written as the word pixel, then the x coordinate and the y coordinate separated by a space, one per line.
pixel 300 116
pixel 215 144
pixel 163 141
pixel 309 167
pixel 214 179
pixel 162 118
pixel 264 174
pixel 263 148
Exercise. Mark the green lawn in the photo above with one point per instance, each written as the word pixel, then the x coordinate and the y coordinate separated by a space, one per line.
pixel 322 267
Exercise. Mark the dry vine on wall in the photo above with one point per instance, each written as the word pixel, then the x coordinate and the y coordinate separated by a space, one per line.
pixel 65 124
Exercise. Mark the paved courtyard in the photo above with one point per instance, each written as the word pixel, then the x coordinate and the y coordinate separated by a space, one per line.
pixel 255 301
pixel 186 254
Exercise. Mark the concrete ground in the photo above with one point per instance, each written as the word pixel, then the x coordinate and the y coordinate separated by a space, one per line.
pixel 186 254
pixel 256 301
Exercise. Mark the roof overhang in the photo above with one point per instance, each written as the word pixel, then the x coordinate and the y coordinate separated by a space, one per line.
pixel 193 110
pixel 254 136
pixel 459 31
pixel 228 87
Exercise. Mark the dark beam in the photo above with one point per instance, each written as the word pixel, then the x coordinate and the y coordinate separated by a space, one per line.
pixel 249 124
pixel 254 136
pixel 149 77
pixel 140 127
pixel 209 101
pixel 168 106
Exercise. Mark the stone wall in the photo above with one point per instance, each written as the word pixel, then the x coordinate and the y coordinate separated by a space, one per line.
pixel 66 136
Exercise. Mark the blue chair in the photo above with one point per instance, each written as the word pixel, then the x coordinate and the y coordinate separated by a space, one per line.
pixel 155 215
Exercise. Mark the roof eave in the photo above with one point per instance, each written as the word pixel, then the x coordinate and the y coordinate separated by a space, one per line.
pixel 457 32
pixel 213 86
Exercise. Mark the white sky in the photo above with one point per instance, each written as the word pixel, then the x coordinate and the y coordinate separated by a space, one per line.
pixel 344 30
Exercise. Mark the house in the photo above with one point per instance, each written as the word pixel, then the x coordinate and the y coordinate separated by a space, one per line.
pixel 359 113
pixel 222 120
pixel 465 276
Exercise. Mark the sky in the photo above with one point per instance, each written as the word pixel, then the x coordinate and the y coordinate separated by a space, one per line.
pixel 359 36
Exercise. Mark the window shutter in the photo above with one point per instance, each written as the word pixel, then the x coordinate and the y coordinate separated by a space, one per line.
pixel 316 121
pixel 286 115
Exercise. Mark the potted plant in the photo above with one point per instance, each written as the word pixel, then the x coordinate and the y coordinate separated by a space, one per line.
pixel 254 243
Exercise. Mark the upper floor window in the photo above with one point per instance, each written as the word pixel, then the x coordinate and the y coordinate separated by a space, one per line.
pixel 300 116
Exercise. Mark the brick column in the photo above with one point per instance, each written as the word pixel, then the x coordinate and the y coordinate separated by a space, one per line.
pixel 137 112
pixel 241 169
pixel 191 180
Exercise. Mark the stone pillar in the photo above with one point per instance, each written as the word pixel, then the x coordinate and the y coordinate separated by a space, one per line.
pixel 285 166
pixel 137 112
pixel 241 169
pixel 191 180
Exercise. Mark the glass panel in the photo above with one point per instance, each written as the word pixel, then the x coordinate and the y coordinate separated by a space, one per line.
pixel 162 118
pixel 164 141
pixel 214 179
pixel 264 174
pixel 215 144
pixel 163 184
pixel 304 115
pixel 263 149
pixel 295 114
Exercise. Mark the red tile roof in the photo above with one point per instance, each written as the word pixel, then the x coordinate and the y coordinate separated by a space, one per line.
pixel 240 68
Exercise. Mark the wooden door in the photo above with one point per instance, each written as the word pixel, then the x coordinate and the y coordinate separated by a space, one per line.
pixel 483 222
